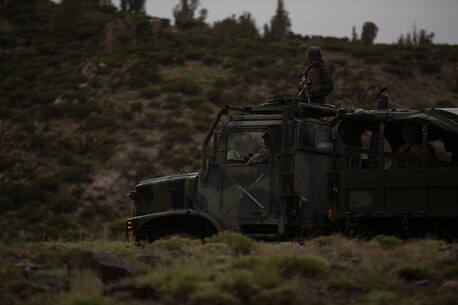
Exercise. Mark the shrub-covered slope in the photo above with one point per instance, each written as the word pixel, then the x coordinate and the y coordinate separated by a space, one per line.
pixel 93 100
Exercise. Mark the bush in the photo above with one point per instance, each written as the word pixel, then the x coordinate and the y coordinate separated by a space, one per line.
pixel 74 174
pixel 178 135
pixel 387 241
pixel 5 112
pixel 136 107
pixel 212 60
pixel 379 298
pixel 261 61
pixel 166 58
pixel 149 92
pixel 184 85
pixel 77 111
pixel 284 295
pixel 136 82
pixel 343 282
pixel 48 182
pixel 240 244
pixel 212 296
pixel 294 264
pixel 446 104
pixel 402 71
pixel 324 240
pixel 215 95
pixel 202 120
pixel 430 67
pixel 414 273
pixel 175 243
pixel 194 54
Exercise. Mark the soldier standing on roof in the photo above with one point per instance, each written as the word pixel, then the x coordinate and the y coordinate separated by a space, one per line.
pixel 317 76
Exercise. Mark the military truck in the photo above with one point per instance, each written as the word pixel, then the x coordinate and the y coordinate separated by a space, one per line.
pixel 289 169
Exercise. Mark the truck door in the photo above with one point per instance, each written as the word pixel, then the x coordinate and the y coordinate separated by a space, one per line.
pixel 246 182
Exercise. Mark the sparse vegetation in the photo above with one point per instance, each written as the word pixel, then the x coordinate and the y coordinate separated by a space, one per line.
pixel 183 271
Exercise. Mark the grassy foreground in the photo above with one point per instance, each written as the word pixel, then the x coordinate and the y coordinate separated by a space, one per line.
pixel 233 269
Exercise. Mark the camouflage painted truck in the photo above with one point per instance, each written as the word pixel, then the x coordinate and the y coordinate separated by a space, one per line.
pixel 321 169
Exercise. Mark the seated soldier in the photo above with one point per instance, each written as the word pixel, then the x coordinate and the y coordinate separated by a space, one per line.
pixel 413 147
pixel 263 156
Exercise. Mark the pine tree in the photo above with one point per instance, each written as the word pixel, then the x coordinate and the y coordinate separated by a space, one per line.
pixel 246 26
pixel 280 24
pixel 135 6
pixel 184 12
pixel 368 33
pixel 354 35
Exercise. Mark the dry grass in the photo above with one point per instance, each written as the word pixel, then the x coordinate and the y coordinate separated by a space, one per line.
pixel 231 269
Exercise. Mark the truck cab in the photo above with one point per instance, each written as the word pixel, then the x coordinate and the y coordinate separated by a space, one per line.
pixel 263 173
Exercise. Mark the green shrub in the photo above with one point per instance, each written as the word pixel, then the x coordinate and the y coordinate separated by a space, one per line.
pixel 430 67
pixel 103 121
pixel 166 58
pixel 261 61
pixel 414 273
pixel 295 264
pixel 136 82
pixel 196 102
pixel 5 112
pixel 184 85
pixel 343 282
pixel 324 240
pixel 362 52
pixel 370 60
pixel 175 243
pixel 48 182
pixel 379 298
pixel 194 54
pixel 340 61
pixel 335 45
pixel 387 241
pixel 136 106
pixel 149 92
pixel 215 95
pixel 446 104
pixel 178 135
pixel 441 299
pixel 63 202
pixel 73 174
pixel 77 111
pixel 211 60
pixel 202 120
pixel 240 244
pixel 402 71
pixel 85 289
pixel 240 283
pixel 283 295
pixel 212 296
pixel 219 83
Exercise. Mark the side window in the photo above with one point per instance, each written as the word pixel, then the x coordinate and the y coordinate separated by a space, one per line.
pixel 323 140
pixel 241 147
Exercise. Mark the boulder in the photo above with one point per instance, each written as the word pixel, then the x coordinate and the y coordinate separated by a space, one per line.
pixel 108 266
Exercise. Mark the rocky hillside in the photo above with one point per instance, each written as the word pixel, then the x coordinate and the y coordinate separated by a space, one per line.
pixel 94 101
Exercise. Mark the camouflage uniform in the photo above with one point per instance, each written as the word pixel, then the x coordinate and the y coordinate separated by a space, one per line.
pixel 262 157
pixel 413 148
pixel 321 83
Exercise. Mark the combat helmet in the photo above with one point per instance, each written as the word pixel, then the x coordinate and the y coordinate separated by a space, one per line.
pixel 314 52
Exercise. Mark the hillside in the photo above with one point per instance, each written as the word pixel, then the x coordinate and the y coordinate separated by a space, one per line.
pixel 93 102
